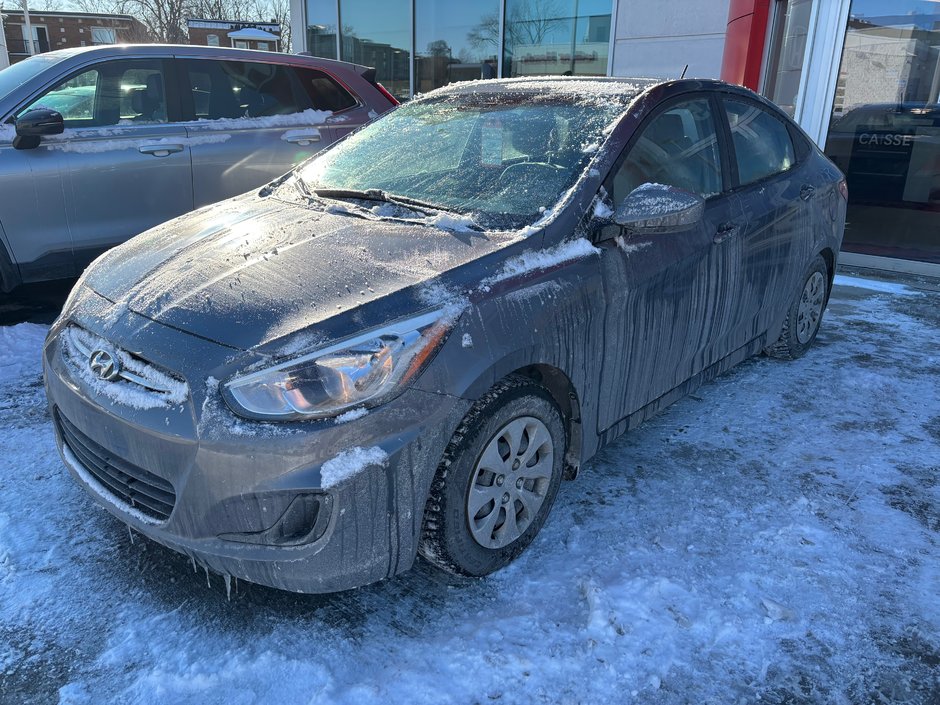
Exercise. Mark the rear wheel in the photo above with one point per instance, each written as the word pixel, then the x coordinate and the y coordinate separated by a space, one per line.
pixel 497 482
pixel 804 315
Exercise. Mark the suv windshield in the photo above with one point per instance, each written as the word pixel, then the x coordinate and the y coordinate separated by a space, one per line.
pixel 504 159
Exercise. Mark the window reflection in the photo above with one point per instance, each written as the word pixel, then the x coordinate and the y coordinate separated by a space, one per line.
pixel 454 42
pixel 885 130
pixel 567 37
pixel 321 28
pixel 788 48
pixel 378 33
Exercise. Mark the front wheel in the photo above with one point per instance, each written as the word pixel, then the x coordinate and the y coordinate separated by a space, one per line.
pixel 497 482
pixel 804 314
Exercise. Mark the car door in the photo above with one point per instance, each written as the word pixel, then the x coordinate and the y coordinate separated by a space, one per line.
pixel 124 164
pixel 669 294
pixel 32 209
pixel 249 123
pixel 777 199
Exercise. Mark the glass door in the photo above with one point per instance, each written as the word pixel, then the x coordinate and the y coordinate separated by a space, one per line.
pixel 884 132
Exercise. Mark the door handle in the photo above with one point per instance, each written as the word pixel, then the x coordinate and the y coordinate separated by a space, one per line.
pixel 725 230
pixel 302 138
pixel 159 149
pixel 806 192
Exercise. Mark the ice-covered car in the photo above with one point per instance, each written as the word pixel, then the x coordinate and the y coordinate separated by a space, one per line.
pixel 407 343
pixel 101 143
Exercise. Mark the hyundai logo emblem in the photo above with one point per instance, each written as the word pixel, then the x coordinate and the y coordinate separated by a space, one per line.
pixel 105 365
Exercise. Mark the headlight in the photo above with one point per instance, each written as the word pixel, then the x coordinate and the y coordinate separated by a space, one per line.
pixel 366 370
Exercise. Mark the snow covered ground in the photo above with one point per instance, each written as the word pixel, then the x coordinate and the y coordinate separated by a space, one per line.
pixel 775 538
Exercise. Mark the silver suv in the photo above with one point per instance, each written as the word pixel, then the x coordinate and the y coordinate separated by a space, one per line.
pixel 100 144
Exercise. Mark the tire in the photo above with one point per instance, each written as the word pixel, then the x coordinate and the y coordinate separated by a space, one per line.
pixel 485 505
pixel 804 314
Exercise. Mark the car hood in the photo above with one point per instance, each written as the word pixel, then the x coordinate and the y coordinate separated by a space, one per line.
pixel 254 269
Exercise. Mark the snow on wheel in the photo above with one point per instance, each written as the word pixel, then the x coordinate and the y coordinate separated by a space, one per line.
pixel 497 481
pixel 804 315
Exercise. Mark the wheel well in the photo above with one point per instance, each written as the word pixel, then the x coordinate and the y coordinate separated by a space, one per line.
pixel 566 397
pixel 830 258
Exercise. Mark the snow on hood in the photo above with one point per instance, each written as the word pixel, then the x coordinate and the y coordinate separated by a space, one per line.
pixel 251 270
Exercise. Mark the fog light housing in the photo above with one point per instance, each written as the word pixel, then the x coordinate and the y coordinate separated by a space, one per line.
pixel 303 522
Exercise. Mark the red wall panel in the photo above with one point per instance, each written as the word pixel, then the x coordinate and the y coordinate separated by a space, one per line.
pixel 744 42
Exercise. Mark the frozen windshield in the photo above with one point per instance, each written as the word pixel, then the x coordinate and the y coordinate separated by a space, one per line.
pixel 16 75
pixel 503 159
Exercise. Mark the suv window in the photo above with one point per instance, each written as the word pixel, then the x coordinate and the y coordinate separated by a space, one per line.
pixel 679 147
pixel 237 89
pixel 324 92
pixel 112 93
pixel 762 144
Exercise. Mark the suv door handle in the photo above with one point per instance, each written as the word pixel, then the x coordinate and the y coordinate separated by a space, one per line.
pixel 302 138
pixel 806 192
pixel 725 230
pixel 159 149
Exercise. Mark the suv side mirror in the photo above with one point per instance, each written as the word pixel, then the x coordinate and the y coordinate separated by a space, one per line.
pixel 31 126
pixel 658 208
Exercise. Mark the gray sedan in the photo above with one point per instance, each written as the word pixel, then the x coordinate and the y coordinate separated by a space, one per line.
pixel 406 344
pixel 99 144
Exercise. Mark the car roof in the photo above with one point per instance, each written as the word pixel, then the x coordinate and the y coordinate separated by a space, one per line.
pixel 194 50
pixel 581 88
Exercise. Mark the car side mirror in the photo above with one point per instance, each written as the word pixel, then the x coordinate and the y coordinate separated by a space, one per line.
pixel 32 125
pixel 656 208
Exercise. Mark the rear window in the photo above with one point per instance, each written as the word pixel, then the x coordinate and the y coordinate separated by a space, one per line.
pixel 324 92
pixel 762 144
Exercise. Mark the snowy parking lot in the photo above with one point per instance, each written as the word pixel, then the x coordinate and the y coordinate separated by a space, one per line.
pixel 774 538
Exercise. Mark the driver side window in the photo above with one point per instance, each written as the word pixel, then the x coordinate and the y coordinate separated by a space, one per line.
pixel 679 147
pixel 122 92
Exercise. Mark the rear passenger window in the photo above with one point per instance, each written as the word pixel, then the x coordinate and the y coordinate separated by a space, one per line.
pixel 762 144
pixel 237 89
pixel 678 148
pixel 324 92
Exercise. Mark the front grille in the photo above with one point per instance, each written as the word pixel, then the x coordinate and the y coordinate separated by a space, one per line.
pixel 127 378
pixel 139 489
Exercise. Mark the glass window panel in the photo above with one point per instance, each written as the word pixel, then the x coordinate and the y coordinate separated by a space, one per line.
pixel 378 33
pixel 787 51
pixel 455 42
pixel 115 92
pixel 321 28
pixel 678 148
pixel 236 89
pixel 762 144
pixel 502 161
pixel 885 128
pixel 324 92
pixel 561 37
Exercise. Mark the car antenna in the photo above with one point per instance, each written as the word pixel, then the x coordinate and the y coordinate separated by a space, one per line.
pixel 682 75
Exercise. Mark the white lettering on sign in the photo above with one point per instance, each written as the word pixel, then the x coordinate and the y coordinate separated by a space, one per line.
pixel 881 140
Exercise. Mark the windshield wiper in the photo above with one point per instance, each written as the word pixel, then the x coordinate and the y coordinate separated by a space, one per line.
pixel 375 194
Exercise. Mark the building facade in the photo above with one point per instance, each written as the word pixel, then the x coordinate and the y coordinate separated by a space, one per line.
pixel 262 36
pixel 862 77
pixel 64 30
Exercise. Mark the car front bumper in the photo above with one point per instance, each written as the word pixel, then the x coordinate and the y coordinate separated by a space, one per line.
pixel 243 498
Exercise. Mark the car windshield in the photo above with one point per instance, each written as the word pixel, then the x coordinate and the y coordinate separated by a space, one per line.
pixel 16 75
pixel 502 159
